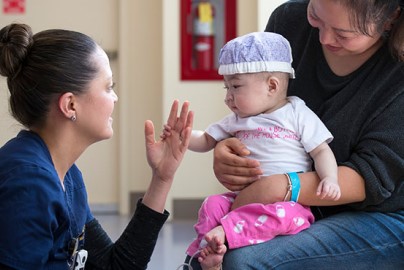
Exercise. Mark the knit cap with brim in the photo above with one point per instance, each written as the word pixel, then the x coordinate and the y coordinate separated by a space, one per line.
pixel 256 52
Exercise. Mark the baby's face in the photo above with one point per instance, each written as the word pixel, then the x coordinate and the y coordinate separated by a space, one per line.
pixel 248 94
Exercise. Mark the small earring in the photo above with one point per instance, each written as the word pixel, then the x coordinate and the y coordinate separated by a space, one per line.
pixel 73 118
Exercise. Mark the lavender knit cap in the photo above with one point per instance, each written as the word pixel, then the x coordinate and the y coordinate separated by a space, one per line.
pixel 256 52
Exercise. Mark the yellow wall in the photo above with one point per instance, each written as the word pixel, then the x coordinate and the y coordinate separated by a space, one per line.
pixel 195 177
pixel 98 19
pixel 149 68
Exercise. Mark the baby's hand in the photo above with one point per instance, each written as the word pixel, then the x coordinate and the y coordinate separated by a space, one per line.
pixel 166 132
pixel 329 189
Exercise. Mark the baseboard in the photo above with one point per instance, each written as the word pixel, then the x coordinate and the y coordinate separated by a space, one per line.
pixel 183 209
pixel 133 198
pixel 186 208
pixel 104 208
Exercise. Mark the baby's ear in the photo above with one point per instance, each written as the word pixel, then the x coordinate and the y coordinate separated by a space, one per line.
pixel 273 84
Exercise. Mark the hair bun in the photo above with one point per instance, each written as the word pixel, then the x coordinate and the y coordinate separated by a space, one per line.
pixel 15 42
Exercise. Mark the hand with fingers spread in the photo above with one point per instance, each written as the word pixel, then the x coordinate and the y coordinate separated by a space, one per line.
pixel 165 155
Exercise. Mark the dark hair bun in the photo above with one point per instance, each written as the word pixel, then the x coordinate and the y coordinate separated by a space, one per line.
pixel 15 42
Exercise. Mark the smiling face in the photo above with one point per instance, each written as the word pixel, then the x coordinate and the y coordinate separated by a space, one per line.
pixel 94 115
pixel 336 33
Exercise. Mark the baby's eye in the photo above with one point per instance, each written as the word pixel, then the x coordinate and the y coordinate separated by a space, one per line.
pixel 232 87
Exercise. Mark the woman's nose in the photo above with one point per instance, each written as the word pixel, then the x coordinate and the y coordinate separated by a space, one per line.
pixel 326 36
pixel 116 97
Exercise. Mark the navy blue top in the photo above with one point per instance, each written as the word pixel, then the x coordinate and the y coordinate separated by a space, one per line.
pixel 38 217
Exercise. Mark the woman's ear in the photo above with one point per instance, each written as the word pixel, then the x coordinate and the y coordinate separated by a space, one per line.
pixel 390 21
pixel 67 105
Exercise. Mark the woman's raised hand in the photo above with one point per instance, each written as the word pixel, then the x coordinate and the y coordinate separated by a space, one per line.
pixel 165 155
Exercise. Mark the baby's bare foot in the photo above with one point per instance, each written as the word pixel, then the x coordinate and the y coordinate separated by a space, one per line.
pixel 210 260
pixel 211 256
pixel 216 239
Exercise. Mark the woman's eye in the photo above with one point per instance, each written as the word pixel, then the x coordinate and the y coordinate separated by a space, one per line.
pixel 341 37
pixel 344 37
pixel 112 86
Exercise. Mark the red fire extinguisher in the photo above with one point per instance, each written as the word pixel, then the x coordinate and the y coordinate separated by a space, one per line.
pixel 203 39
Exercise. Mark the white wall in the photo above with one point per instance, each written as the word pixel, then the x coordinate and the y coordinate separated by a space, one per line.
pixel 265 8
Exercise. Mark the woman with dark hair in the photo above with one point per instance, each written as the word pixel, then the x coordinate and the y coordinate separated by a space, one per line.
pixel 348 57
pixel 61 91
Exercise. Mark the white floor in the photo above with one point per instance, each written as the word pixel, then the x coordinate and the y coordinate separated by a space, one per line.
pixel 171 244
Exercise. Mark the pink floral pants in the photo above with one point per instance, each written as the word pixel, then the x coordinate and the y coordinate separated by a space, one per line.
pixel 250 224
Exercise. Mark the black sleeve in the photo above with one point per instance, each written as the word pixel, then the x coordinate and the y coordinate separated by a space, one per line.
pixel 134 247
pixel 290 20
pixel 379 158
pixel 288 17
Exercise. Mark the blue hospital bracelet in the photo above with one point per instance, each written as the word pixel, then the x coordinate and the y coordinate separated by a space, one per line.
pixel 295 181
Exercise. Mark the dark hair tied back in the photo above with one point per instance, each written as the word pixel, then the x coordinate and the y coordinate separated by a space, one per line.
pixel 15 43
pixel 41 67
